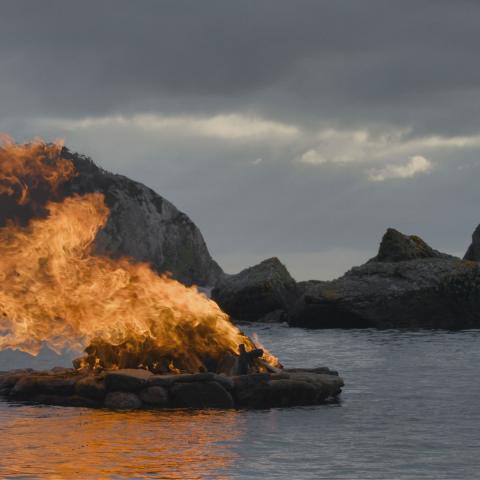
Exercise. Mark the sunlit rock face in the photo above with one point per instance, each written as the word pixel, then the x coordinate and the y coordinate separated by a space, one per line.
pixel 145 226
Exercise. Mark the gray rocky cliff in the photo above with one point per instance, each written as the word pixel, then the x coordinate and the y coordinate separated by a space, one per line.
pixel 145 226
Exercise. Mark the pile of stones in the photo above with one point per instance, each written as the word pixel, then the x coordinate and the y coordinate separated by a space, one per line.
pixel 132 389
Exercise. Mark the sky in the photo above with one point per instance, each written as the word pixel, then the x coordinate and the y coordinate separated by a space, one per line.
pixel 299 129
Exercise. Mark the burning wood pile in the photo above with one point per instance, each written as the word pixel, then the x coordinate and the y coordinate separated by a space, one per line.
pixel 55 291
pixel 147 355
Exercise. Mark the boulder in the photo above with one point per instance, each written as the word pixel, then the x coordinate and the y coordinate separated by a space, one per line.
pixel 25 387
pixel 128 379
pixel 155 396
pixel 8 381
pixel 162 380
pixel 256 291
pixel 249 389
pixel 194 377
pixel 200 395
pixel 169 379
pixel 407 285
pixel 57 385
pixel 473 252
pixel 285 389
pixel 247 381
pixel 29 385
pixel 327 386
pixel 224 380
pixel 122 401
pixel 285 393
pixel 276 393
pixel 91 387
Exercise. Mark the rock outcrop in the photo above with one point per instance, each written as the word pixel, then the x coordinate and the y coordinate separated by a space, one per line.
pixel 407 285
pixel 266 289
pixel 132 389
pixel 145 226
pixel 473 252
pixel 397 247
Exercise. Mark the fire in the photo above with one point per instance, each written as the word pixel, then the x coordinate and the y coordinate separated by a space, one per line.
pixel 54 291
pixel 26 172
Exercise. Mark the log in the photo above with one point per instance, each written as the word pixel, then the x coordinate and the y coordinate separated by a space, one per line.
pixel 246 360
pixel 268 367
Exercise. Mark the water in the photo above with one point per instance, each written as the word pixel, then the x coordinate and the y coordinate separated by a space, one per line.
pixel 410 410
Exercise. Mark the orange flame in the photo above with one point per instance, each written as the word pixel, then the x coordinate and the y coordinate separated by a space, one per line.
pixel 25 167
pixel 54 291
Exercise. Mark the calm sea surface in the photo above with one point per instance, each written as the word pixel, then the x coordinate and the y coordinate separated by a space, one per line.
pixel 410 410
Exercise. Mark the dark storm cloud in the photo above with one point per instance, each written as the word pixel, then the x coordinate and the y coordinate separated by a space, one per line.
pixel 269 118
pixel 290 58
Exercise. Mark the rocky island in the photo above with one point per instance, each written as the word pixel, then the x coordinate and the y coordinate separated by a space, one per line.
pixel 408 284
pixel 132 389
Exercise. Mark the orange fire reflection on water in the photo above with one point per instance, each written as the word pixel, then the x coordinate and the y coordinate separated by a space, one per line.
pixel 79 444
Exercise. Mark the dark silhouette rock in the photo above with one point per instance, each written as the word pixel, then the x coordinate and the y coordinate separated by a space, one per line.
pixel 169 379
pixel 128 379
pixel 256 291
pixel 407 285
pixel 25 387
pixel 473 252
pixel 91 387
pixel 155 396
pixel 8 380
pixel 225 381
pixel 278 393
pixel 30 385
pixel 200 395
pixel 298 387
pixel 122 401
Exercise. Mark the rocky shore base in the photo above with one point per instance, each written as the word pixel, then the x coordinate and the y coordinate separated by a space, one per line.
pixel 132 389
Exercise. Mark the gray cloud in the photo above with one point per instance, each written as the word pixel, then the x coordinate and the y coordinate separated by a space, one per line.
pixel 299 59
pixel 186 96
